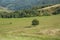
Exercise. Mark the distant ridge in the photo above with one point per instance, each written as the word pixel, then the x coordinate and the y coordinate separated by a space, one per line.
pixel 24 4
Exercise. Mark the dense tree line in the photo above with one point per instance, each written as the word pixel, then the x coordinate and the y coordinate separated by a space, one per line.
pixel 26 13
pixel 19 14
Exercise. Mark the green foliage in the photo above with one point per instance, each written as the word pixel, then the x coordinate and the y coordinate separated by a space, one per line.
pixel 56 12
pixel 46 14
pixel 35 22
pixel 29 12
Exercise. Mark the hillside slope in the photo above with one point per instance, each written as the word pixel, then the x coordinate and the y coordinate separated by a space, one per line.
pixel 50 9
pixel 3 9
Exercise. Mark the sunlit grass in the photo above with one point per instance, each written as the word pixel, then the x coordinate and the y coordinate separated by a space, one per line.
pixel 15 28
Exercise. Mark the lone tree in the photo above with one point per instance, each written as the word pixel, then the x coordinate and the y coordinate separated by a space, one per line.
pixel 35 22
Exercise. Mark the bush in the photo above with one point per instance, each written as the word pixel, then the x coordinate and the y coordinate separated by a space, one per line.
pixel 46 14
pixel 10 23
pixel 35 22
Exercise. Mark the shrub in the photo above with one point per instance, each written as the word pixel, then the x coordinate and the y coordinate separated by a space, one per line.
pixel 35 22
pixel 10 23
pixel 46 14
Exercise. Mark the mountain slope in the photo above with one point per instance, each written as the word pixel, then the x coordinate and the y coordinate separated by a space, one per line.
pixel 21 4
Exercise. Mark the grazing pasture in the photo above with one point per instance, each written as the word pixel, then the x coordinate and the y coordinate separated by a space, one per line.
pixel 22 28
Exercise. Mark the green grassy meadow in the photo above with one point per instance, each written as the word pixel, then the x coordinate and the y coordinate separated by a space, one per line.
pixel 21 28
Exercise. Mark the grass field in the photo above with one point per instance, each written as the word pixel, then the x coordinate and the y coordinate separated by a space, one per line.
pixel 21 28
